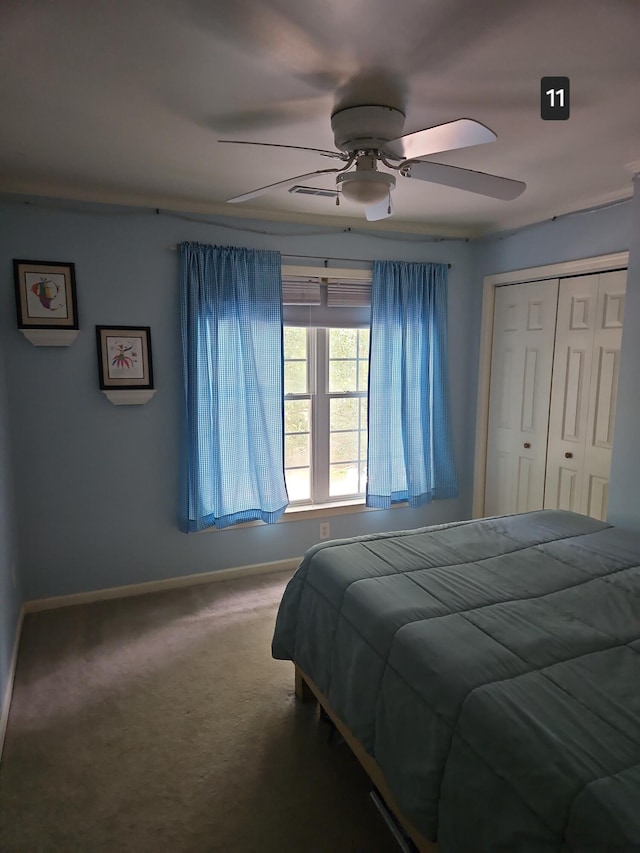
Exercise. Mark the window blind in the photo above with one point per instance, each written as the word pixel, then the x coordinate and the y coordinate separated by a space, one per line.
pixel 324 302
pixel 340 293
pixel 301 291
pixel 346 293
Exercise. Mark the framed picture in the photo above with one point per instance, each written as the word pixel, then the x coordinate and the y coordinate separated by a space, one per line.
pixel 124 357
pixel 45 294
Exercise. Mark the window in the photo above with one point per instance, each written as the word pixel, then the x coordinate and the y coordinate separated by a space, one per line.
pixel 325 384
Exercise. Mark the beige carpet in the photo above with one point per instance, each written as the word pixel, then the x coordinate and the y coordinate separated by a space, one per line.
pixel 161 722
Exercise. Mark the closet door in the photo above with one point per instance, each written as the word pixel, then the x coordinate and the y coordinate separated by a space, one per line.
pixel 603 393
pixel 570 389
pixel 583 398
pixel 521 368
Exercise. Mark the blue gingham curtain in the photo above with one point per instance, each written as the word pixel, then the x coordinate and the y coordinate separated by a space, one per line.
pixel 232 362
pixel 410 454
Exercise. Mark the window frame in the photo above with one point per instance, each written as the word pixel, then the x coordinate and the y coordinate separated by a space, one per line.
pixel 311 309
pixel 307 395
pixel 319 397
pixel 348 395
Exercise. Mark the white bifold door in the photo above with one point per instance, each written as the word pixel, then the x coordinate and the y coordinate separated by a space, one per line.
pixel 524 328
pixel 554 375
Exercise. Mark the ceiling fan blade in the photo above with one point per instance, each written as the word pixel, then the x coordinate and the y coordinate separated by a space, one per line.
pixel 286 182
pixel 273 114
pixel 336 154
pixel 380 210
pixel 443 137
pixel 493 186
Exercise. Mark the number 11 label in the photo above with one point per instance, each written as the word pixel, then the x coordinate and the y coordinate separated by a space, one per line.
pixel 554 98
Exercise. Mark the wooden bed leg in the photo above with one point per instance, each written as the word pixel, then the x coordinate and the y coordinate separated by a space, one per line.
pixel 303 692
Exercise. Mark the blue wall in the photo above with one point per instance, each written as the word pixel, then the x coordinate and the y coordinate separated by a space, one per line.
pixel 573 236
pixel 624 493
pixel 10 598
pixel 96 484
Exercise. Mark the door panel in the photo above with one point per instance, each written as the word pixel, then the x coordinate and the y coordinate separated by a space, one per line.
pixel 574 382
pixel 528 419
pixel 521 368
pixel 566 497
pixel 505 390
pixel 597 497
pixel 568 416
pixel 583 396
pixel 603 391
pixel 526 485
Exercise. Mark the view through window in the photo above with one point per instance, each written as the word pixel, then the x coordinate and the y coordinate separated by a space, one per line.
pixel 326 378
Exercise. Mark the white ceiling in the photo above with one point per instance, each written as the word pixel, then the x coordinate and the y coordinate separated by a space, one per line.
pixel 124 101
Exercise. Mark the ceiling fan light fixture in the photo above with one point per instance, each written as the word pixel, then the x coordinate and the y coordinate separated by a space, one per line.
pixel 365 187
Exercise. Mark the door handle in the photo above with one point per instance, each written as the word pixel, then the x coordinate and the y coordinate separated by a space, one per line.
pixel 568 455
pixel 527 445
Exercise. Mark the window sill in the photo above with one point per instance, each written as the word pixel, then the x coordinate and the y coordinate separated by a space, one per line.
pixel 307 513
pixel 294 513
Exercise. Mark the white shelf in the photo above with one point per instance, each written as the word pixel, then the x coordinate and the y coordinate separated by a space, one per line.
pixel 129 396
pixel 51 337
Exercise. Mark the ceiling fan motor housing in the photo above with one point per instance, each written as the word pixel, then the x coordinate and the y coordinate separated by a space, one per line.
pixel 366 185
pixel 366 128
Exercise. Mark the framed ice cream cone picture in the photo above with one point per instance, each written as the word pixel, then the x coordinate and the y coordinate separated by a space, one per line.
pixel 45 294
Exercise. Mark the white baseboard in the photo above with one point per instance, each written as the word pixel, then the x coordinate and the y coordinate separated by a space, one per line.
pixel 8 693
pixel 157 586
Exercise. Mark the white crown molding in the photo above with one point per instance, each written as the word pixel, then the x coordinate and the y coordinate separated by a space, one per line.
pixel 552 213
pixel 167 205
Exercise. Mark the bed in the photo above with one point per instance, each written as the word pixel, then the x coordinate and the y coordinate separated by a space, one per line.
pixel 487 675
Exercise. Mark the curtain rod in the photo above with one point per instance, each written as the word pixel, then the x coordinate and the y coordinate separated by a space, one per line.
pixel 324 258
pixel 318 258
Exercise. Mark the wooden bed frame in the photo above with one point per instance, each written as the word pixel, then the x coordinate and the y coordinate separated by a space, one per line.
pixel 307 691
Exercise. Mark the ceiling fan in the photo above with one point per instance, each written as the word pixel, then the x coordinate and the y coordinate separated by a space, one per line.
pixel 368 135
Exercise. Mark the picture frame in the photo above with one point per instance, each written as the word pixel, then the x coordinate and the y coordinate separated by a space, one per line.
pixel 45 294
pixel 124 357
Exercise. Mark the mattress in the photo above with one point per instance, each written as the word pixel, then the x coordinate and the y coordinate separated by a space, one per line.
pixel 491 668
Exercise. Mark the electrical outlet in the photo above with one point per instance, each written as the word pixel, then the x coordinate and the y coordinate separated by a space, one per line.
pixel 324 530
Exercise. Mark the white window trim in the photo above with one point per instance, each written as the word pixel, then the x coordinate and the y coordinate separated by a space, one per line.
pixel 319 317
pixel 295 270
pixel 320 401
pixel 312 512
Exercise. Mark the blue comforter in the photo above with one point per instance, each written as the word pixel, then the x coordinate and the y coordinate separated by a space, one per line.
pixel 491 668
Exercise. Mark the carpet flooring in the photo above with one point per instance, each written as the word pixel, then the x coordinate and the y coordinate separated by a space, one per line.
pixel 161 722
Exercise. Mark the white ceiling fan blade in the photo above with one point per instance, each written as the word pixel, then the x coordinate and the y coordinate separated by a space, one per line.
pixel 443 137
pixel 337 154
pixel 286 182
pixel 380 210
pixel 493 186
pixel 277 113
